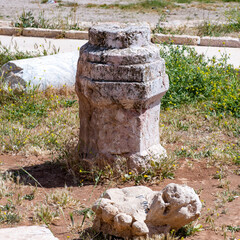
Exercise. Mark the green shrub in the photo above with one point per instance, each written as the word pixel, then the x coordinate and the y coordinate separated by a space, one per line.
pixel 194 78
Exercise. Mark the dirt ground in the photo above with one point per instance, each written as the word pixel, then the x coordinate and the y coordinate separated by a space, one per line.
pixel 184 14
pixel 216 215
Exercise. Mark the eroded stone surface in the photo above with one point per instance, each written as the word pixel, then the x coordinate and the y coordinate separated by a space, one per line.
pixel 139 211
pixel 120 81
pixel 123 56
pixel 115 36
pixel 26 233
pixel 122 73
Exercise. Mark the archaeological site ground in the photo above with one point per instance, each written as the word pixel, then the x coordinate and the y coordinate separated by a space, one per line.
pixel 120 135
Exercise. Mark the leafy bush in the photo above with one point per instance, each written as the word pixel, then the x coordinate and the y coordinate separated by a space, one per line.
pixel 194 78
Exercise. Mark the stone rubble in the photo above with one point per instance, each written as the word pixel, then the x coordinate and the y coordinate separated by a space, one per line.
pixel 138 211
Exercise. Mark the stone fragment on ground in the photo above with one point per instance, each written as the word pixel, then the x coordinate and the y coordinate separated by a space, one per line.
pixel 140 212
pixel 47 71
pixel 27 233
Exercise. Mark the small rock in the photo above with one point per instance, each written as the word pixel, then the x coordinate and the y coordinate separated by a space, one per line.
pixel 122 222
pixel 139 228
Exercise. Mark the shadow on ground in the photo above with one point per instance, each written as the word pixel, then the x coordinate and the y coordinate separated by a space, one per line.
pixel 90 233
pixel 47 175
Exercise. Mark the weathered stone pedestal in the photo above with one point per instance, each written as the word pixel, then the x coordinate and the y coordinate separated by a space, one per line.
pixel 120 82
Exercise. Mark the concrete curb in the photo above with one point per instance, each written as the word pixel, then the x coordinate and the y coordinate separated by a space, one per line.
pixel 158 38
pixel 220 42
pixel 73 34
pixel 39 32
pixel 10 31
pixel 176 39
pixel 46 33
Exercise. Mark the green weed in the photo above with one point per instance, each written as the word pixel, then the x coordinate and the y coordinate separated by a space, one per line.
pixel 62 199
pixel 233 229
pixel 194 78
pixel 44 214
pixel 29 197
pixel 6 55
pixel 86 213
pixel 188 230
pixel 27 19
pixel 8 214
pixel 214 29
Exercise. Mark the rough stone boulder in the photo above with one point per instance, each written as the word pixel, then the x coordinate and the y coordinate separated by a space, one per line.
pixel 138 211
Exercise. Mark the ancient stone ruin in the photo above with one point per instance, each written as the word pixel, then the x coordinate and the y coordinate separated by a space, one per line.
pixel 138 211
pixel 120 81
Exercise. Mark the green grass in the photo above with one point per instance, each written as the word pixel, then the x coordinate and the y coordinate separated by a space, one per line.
pixel 44 214
pixel 231 0
pixel 27 119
